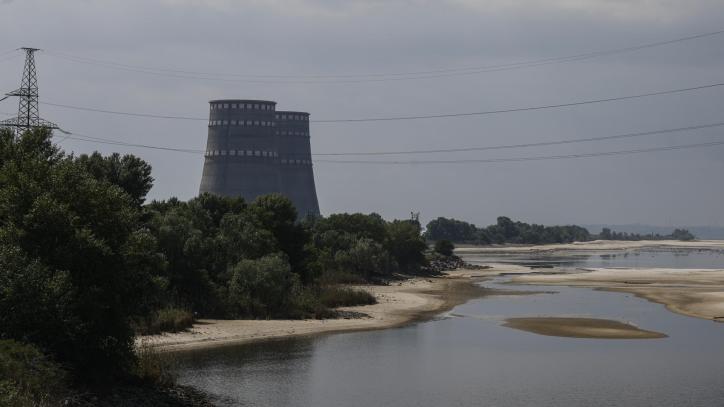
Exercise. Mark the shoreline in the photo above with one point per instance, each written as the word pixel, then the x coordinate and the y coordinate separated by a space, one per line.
pixel 399 304
pixel 690 292
pixel 595 245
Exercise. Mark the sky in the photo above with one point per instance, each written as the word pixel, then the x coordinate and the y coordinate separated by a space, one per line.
pixel 327 57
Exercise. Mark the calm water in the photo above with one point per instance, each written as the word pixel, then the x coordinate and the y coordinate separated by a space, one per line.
pixel 593 259
pixel 465 358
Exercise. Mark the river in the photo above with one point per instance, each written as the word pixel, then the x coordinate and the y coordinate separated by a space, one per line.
pixel 466 358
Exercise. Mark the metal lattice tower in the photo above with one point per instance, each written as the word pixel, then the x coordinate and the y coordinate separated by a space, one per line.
pixel 28 115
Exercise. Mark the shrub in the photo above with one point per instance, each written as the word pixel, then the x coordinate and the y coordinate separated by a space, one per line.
pixel 28 377
pixel 334 297
pixel 153 366
pixel 263 287
pixel 166 320
pixel 444 247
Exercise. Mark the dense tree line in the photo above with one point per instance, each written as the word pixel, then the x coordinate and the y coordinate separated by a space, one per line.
pixel 508 231
pixel 677 234
pixel 504 231
pixel 84 261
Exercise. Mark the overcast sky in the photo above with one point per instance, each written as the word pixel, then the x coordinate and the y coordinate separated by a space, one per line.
pixel 327 38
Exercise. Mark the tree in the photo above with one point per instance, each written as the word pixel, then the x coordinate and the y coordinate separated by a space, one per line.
pixel 450 229
pixel 70 274
pixel 444 247
pixel 263 287
pixel 130 173
pixel 406 245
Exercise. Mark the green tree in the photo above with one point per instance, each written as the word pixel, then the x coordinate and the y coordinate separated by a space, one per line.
pixel 70 274
pixel 406 245
pixel 130 173
pixel 263 288
pixel 444 247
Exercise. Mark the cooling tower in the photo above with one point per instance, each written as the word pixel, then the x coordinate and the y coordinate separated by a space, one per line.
pixel 254 150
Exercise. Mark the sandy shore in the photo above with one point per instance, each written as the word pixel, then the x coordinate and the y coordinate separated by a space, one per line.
pixel 398 304
pixel 696 293
pixel 596 245
pixel 588 328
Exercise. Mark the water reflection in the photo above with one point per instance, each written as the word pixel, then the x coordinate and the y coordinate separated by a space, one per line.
pixel 467 359
pixel 598 259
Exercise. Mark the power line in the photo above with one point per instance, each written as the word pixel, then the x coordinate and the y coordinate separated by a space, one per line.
pixel 534 158
pixel 520 109
pixel 414 117
pixel 370 77
pixel 92 139
pixel 99 140
pixel 527 145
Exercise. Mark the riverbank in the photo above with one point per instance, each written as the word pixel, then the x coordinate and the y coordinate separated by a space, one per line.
pixel 695 293
pixel 397 304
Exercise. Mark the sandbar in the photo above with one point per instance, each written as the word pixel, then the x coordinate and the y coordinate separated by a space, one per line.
pixel 588 328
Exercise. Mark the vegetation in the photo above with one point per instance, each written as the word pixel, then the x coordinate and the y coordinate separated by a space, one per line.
pixel 677 234
pixel 164 320
pixel 504 231
pixel 28 378
pixel 444 247
pixel 85 264
pixel 334 297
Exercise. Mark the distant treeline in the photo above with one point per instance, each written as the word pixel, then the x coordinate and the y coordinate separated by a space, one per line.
pixel 507 231
pixel 504 231
pixel 85 264
pixel 677 234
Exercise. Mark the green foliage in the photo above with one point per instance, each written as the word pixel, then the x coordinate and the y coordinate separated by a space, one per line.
pixel 154 366
pixel 504 231
pixel 82 262
pixel 363 258
pixel 677 234
pixel 444 247
pixel 406 245
pixel 450 229
pixel 263 287
pixel 28 378
pixel 165 320
pixel 130 173
pixel 68 271
pixel 334 297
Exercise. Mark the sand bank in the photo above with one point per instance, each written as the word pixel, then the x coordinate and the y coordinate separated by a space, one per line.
pixel 595 245
pixel 398 304
pixel 696 293
pixel 591 328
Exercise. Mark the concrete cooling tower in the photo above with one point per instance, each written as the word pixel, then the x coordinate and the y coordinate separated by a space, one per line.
pixel 253 150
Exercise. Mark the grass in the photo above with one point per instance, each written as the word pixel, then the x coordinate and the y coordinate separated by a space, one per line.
pixel 28 378
pixel 153 366
pixel 166 320
pixel 334 297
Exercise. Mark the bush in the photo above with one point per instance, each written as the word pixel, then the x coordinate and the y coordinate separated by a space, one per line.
pixel 263 287
pixel 444 247
pixel 153 366
pixel 166 320
pixel 28 377
pixel 334 297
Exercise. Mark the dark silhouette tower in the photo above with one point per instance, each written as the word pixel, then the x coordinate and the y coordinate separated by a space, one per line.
pixel 254 150
pixel 28 115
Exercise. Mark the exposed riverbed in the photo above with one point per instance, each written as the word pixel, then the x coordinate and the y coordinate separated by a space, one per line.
pixel 467 357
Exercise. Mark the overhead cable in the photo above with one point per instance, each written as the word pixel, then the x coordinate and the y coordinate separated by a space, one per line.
pixel 369 77
pixel 412 117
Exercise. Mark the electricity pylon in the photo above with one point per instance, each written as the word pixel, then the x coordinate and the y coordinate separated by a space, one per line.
pixel 28 116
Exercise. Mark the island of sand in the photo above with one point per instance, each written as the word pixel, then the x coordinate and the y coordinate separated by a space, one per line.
pixel 588 328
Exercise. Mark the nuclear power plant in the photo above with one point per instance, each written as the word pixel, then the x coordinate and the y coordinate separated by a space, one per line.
pixel 252 149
